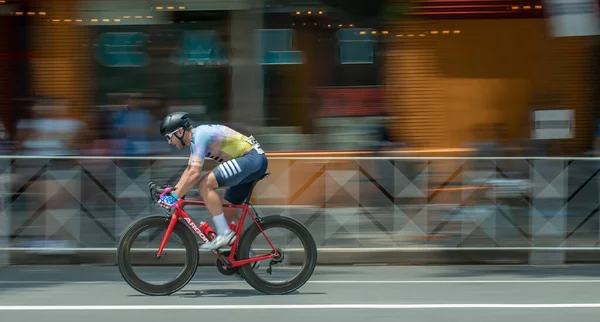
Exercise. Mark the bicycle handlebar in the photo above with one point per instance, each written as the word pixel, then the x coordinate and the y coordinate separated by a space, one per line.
pixel 155 191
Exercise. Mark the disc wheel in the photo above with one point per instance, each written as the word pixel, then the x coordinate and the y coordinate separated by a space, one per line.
pixel 310 255
pixel 125 256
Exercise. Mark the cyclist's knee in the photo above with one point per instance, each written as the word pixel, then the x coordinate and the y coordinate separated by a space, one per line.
pixel 207 183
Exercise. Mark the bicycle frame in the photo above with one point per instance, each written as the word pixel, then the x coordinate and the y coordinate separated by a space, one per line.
pixel 228 261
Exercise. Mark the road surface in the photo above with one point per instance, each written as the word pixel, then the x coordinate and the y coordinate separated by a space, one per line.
pixel 349 294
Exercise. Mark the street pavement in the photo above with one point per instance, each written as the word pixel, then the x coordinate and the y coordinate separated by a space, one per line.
pixel 346 293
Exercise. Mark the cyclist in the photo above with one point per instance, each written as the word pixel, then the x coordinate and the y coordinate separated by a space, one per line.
pixel 241 161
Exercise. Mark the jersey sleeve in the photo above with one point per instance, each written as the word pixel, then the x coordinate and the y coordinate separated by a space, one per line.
pixel 198 150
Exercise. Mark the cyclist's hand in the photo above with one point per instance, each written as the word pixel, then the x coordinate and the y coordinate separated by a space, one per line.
pixel 168 200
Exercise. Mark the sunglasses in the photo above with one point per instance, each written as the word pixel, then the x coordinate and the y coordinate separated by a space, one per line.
pixel 168 136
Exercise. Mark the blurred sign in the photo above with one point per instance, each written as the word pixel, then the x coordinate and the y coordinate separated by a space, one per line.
pixel 122 49
pixel 350 101
pixel 356 45
pixel 569 18
pixel 554 124
pixel 200 47
pixel 276 47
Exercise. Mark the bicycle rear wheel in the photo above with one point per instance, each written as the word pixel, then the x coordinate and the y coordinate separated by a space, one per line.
pixel 125 255
pixel 306 240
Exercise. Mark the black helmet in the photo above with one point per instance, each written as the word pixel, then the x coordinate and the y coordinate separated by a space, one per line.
pixel 173 121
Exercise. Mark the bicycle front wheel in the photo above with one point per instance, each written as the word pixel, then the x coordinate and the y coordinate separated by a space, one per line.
pixel 153 229
pixel 295 246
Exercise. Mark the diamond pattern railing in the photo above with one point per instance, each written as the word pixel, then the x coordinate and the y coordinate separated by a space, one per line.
pixel 364 203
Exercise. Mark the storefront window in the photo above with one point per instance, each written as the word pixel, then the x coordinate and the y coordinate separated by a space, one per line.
pixel 185 62
pixel 322 64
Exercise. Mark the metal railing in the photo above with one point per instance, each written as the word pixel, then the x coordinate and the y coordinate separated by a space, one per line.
pixel 64 204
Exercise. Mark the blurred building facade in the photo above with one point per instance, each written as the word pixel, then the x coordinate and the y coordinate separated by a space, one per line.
pixel 468 71
pixel 300 75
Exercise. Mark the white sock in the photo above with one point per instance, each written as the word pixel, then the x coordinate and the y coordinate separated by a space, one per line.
pixel 221 223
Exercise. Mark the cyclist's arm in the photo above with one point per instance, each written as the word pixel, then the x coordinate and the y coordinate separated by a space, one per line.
pixel 192 173
pixel 182 177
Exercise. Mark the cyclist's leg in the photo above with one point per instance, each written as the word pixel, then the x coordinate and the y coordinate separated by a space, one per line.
pixel 207 186
pixel 231 214
pixel 235 196
pixel 238 174
pixel 234 174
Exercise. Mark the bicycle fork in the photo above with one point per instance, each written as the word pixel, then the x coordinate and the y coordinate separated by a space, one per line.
pixel 172 224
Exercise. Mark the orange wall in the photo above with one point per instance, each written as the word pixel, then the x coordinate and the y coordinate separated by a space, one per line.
pixel 444 85
pixel 62 68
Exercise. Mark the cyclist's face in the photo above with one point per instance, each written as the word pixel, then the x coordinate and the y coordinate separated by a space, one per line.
pixel 173 140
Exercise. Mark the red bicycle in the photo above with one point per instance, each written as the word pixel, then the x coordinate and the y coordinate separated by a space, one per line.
pixel 236 260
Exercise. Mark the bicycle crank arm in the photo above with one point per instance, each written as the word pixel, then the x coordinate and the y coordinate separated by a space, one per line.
pixel 222 258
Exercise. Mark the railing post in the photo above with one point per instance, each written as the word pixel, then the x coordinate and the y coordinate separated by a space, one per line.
pixel 548 210
pixel 5 189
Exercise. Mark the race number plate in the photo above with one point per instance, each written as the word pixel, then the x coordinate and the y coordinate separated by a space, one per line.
pixel 255 145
